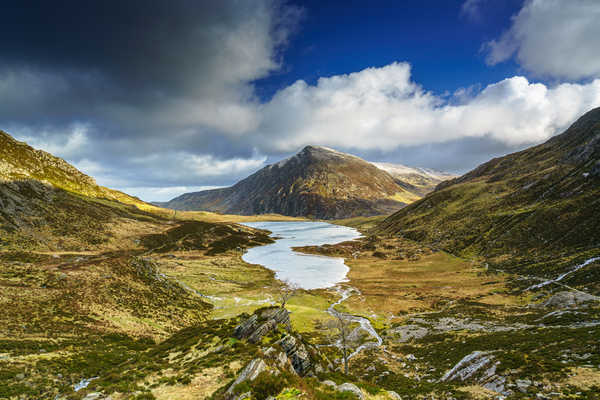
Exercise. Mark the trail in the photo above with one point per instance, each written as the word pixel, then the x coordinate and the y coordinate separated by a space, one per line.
pixel 364 323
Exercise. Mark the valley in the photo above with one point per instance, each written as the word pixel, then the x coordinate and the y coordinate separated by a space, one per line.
pixel 107 297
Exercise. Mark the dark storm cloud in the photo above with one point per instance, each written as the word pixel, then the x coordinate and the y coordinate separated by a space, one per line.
pixel 115 85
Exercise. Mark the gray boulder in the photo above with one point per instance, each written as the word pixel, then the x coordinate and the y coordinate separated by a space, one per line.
pixel 479 367
pixel 296 352
pixel 249 373
pixel 408 332
pixel 568 299
pixel 350 387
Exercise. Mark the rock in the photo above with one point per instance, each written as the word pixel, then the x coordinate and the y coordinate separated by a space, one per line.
pixel 411 357
pixel 329 383
pixel 350 387
pixel 261 323
pixel 408 332
pixel 249 373
pixel 246 328
pixel 262 330
pixel 20 377
pixel 296 352
pixel 393 395
pixel 479 367
pixel 93 396
pixel 283 362
pixel 243 396
pixel 523 384
pixel 568 299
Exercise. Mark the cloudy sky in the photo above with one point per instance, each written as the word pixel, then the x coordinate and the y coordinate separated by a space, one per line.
pixel 158 98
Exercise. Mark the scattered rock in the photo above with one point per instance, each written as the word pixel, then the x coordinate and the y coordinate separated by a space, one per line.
pixel 408 332
pixel 350 387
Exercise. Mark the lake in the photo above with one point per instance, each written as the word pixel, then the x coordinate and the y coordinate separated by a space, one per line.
pixel 306 270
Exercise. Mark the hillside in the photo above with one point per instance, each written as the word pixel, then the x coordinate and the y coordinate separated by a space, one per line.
pixel 532 206
pixel 317 182
pixel 416 180
pixel 46 203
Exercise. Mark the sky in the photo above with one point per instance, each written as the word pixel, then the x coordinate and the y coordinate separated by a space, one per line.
pixel 160 98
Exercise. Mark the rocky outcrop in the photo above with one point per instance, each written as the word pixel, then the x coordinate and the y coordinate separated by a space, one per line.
pixel 478 367
pixel 249 373
pixel 261 323
pixel 297 353
pixel 568 299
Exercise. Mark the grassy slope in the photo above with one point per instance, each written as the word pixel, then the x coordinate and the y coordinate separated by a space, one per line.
pixel 525 209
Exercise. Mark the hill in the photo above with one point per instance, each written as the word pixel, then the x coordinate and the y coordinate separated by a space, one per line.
pixel 317 182
pixel 46 203
pixel 536 205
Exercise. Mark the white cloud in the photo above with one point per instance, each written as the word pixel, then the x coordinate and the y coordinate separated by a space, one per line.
pixel 382 108
pixel 162 193
pixel 65 144
pixel 552 38
pixel 472 9
pixel 172 166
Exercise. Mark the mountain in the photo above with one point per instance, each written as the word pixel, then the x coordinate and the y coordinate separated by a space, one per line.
pixel 538 204
pixel 47 203
pixel 416 180
pixel 317 182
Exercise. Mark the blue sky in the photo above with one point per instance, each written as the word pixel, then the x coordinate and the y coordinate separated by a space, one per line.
pixel 440 40
pixel 161 98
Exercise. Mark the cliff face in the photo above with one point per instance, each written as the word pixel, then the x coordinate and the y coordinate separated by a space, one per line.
pixel 317 182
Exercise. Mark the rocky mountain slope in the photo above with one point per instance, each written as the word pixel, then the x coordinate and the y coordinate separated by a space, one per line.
pixel 317 182
pixel 416 180
pixel 47 203
pixel 536 205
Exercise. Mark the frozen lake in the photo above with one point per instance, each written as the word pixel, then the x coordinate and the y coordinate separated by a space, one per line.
pixel 306 270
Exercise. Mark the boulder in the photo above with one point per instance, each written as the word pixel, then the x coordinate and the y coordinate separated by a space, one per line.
pixel 249 373
pixel 350 387
pixel 329 383
pixel 261 323
pixel 393 395
pixel 568 299
pixel 408 332
pixel 478 367
pixel 296 352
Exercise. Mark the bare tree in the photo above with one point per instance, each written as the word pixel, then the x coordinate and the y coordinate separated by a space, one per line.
pixel 342 336
pixel 286 292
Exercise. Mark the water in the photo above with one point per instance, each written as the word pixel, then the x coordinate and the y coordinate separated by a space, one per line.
pixel 306 270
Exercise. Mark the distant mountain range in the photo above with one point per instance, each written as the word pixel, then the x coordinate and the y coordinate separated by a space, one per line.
pixel 540 202
pixel 318 182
